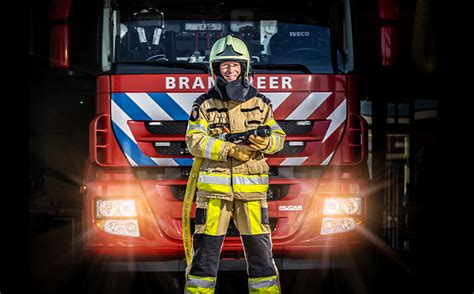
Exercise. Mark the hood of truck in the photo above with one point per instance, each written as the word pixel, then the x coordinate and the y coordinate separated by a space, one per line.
pixel 315 102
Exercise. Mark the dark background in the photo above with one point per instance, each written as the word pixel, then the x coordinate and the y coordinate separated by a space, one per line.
pixel 35 244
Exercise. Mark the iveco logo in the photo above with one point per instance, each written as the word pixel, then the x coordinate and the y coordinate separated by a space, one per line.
pixel 290 207
pixel 303 123
pixel 299 34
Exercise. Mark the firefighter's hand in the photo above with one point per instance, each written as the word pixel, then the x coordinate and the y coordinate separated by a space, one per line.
pixel 258 143
pixel 240 152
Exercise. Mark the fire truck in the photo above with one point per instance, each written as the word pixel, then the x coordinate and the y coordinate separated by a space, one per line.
pixel 151 62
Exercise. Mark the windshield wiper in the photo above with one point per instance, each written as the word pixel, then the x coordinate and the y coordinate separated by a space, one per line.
pixel 179 64
pixel 289 67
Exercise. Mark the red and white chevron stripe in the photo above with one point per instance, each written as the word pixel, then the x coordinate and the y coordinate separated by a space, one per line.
pixel 311 106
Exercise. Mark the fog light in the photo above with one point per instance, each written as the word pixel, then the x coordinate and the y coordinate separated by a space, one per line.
pixel 348 224
pixel 329 226
pixel 336 225
pixel 127 227
pixel 131 227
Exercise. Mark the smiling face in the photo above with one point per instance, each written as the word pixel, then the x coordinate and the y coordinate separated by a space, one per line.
pixel 230 70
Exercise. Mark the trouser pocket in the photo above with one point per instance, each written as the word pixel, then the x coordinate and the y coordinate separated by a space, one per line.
pixel 251 217
pixel 212 216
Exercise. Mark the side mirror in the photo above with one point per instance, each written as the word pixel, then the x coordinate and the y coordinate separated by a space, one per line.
pixel 59 34
pixel 389 14
pixel 59 47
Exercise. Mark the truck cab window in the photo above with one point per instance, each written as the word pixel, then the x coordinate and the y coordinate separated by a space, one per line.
pixel 161 34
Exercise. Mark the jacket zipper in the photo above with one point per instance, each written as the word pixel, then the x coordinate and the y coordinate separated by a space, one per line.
pixel 231 159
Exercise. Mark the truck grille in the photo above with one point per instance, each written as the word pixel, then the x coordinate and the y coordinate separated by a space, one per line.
pixel 179 127
pixel 275 192
pixel 232 229
pixel 180 148
pixel 287 149
pixel 178 191
pixel 166 127
pixel 296 127
pixel 174 148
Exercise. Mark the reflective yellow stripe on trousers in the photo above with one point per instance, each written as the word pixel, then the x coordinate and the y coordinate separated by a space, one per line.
pixel 213 214
pixel 255 216
pixel 200 285
pixel 267 285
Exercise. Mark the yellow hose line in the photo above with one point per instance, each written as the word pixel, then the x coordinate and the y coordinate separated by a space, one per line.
pixel 187 204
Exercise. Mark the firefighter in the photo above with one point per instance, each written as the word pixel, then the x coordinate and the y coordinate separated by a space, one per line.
pixel 233 178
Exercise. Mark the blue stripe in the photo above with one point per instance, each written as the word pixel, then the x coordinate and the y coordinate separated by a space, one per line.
pixel 184 161
pixel 129 107
pixel 169 106
pixel 131 149
pixel 136 113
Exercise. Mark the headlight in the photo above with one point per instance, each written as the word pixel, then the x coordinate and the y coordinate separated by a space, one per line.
pixel 115 208
pixel 334 206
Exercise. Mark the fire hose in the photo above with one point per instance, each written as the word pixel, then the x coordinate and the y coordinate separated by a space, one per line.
pixel 262 131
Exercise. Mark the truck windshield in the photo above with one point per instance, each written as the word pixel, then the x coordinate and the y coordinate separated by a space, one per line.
pixel 152 37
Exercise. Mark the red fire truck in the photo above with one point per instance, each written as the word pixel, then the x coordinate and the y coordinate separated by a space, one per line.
pixel 152 61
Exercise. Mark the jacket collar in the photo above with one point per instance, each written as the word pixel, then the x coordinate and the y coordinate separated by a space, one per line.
pixel 220 91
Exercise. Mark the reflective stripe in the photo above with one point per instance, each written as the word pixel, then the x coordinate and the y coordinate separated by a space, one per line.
pixel 200 285
pixel 250 188
pixel 203 146
pixel 210 148
pixel 271 122
pixel 216 147
pixel 272 145
pixel 250 183
pixel 250 179
pixel 279 131
pixel 195 127
pixel 204 282
pixel 199 290
pixel 275 127
pixel 214 188
pixel 276 141
pixel 269 284
pixel 279 144
pixel 199 126
pixel 262 284
pixel 202 122
pixel 214 182
pixel 213 213
pixel 211 178
pixel 255 217
pixel 276 144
